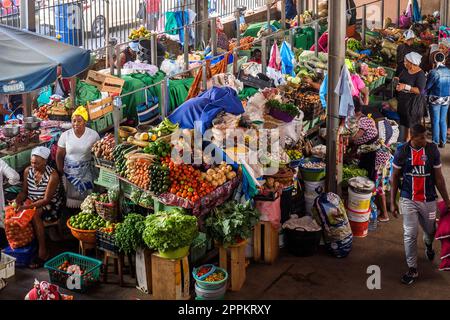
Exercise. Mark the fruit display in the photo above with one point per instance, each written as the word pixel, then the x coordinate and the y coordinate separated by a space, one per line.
pixel 109 229
pixel 218 176
pixel 104 148
pixel 165 128
pixel 138 169
pixel 42 112
pixel 186 181
pixel 87 221
pixel 159 179
pixel 370 75
pixel 294 154
pixel 119 154
pixel 245 43
pixel 159 149
pixel 141 33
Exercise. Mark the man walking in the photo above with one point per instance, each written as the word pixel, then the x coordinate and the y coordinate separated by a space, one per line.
pixel 438 91
pixel 418 163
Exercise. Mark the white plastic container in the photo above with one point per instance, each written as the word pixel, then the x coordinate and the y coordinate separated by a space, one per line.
pixel 310 186
pixel 359 202
pixel 309 202
pixel 7 266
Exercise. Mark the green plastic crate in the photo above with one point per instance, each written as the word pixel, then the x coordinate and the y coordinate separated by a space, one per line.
pixel 90 277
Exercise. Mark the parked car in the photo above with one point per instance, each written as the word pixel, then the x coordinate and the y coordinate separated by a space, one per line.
pixel 89 15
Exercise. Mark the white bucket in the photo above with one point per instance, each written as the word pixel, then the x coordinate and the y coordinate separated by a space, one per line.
pixel 359 202
pixel 309 202
pixel 310 187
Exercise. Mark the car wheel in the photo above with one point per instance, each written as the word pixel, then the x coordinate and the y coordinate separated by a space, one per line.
pixel 98 27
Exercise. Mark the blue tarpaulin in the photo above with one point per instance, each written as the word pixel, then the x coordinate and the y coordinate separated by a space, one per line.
pixel 29 61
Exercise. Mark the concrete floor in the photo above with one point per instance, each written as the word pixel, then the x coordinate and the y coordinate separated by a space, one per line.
pixel 317 277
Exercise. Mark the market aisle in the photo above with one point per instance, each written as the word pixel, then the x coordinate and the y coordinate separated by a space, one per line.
pixel 318 277
pixel 325 277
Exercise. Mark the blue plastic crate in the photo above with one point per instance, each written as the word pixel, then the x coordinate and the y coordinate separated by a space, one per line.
pixel 90 266
pixel 24 256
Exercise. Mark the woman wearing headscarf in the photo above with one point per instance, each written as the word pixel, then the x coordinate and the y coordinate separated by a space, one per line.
pixel 40 190
pixel 74 159
pixel 411 83
pixel 404 49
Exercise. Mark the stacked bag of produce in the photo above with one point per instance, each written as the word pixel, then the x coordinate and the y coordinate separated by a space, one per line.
pixel 333 219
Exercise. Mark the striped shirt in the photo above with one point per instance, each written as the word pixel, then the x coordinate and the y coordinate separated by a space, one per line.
pixel 36 191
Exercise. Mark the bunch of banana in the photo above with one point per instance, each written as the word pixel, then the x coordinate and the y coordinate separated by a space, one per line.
pixel 140 33
pixel 165 128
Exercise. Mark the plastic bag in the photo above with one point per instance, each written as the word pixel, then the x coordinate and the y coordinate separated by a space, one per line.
pixel 287 59
pixel 275 57
pixel 170 67
pixel 270 211
pixel 19 231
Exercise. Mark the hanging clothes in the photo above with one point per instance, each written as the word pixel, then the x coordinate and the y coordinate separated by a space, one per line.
pixel 344 90
pixel 287 59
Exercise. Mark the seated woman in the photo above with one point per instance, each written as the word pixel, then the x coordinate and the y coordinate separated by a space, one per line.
pixel 376 157
pixel 41 191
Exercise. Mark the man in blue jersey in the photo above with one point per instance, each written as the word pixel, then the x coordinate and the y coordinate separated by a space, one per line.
pixel 419 164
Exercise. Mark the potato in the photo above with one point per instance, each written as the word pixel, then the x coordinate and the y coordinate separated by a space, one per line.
pixel 209 178
pixel 210 172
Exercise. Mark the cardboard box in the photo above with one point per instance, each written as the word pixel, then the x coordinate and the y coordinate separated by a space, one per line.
pixel 99 109
pixel 105 82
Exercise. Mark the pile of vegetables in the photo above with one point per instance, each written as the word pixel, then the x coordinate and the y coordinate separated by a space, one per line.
pixel 294 154
pixel 218 176
pixel 352 171
pixel 87 221
pixel 186 181
pixel 120 161
pixel 288 108
pixel 354 45
pixel 170 230
pixel 245 43
pixel 88 205
pixel 141 33
pixel 159 179
pixel 159 149
pixel 232 222
pixel 165 128
pixel 128 236
pixel 104 148
pixel 138 169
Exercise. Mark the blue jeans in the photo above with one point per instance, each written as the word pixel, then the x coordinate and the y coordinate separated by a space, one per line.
pixel 438 115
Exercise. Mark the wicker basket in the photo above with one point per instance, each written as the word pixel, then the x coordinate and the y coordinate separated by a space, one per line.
pixel 108 211
pixel 86 236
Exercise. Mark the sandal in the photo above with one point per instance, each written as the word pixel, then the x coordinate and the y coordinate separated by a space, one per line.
pixel 3 283
pixel 37 263
pixel 384 219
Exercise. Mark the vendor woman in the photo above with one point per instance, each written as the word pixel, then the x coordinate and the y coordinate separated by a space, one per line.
pixel 375 157
pixel 40 190
pixel 74 159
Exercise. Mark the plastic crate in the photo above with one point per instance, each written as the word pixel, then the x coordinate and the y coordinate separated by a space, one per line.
pixel 23 158
pixel 24 256
pixel 127 188
pixel 99 125
pixel 199 248
pixel 90 277
pixel 250 81
pixel 11 161
pixel 7 266
pixel 104 163
pixel 106 242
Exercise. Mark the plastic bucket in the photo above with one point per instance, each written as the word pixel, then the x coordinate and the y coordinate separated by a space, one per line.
pixel 206 294
pixel 311 186
pixel 359 222
pixel 309 202
pixel 358 202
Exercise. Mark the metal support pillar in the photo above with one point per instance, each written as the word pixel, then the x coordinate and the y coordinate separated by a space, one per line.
pixel 398 12
pixel 237 16
pixel 300 8
pixel 364 25
pixel 382 13
pixel 154 49
pixel 28 15
pixel 117 117
pixel 165 101
pixel 117 53
pixel 292 38
pixel 336 57
pixel 283 14
pixel 235 61
pixel 316 38
pixel 186 47
pixel 264 55
pixel 214 36
pixel 111 44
